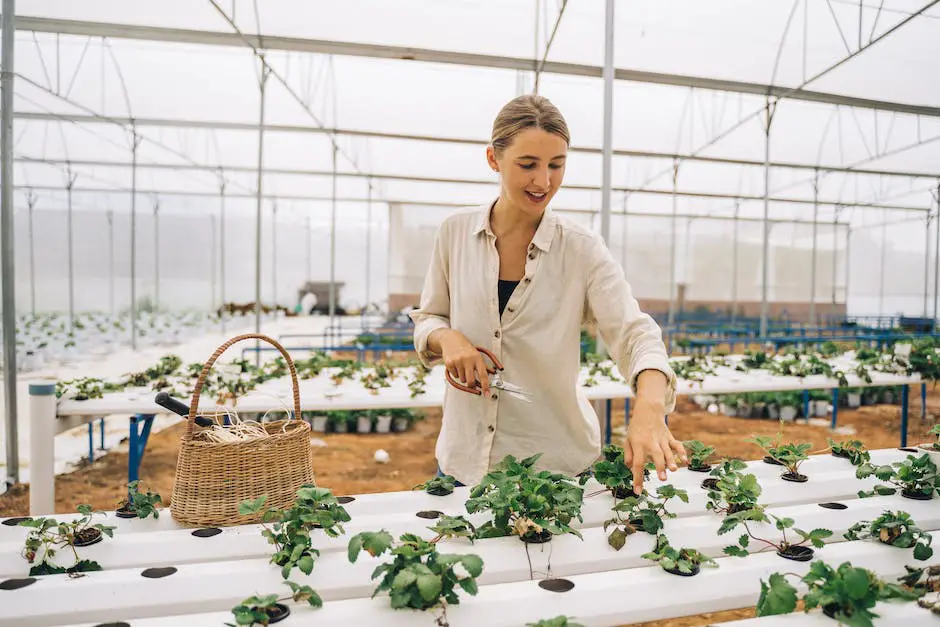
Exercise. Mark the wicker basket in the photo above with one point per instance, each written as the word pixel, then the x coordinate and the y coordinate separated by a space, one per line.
pixel 212 478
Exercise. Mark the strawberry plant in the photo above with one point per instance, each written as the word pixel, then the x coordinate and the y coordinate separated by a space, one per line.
pixel 786 547
pixel 612 472
pixel 268 609
pixel 684 562
pixel 897 529
pixel 846 594
pixel 314 508
pixel 47 537
pixel 916 477
pixel 533 505
pixel 645 513
pixel 733 492
pixel 139 505
pixel 418 577
pixel 558 621
pixel 698 455
pixel 438 486
pixel 924 581
pixel 450 527
pixel 852 450
pixel 788 455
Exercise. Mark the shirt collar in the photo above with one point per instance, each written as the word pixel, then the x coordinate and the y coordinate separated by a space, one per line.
pixel 544 234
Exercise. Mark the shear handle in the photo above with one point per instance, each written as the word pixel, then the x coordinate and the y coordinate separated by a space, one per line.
pixel 475 390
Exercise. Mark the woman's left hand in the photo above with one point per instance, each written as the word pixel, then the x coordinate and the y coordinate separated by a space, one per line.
pixel 649 437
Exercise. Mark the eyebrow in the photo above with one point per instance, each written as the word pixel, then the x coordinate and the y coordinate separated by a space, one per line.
pixel 534 158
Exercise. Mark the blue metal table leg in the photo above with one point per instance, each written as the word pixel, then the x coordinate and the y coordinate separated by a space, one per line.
pixel 905 391
pixel 101 429
pixel 923 400
pixel 835 408
pixel 626 412
pixel 138 444
pixel 607 428
pixel 806 405
pixel 91 442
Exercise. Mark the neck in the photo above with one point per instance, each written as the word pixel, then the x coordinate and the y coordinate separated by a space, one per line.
pixel 506 218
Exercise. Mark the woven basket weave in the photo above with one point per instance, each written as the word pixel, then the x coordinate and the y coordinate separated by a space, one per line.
pixel 212 478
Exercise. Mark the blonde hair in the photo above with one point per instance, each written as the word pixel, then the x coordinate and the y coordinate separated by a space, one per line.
pixel 528 111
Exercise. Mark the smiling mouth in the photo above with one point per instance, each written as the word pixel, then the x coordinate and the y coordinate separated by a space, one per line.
pixel 537 198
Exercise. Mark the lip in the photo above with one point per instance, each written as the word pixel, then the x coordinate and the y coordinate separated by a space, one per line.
pixel 536 199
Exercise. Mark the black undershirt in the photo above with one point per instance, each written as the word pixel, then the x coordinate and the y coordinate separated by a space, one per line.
pixel 505 291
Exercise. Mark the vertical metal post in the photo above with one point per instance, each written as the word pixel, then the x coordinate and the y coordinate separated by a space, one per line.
pixel 848 263
pixel 607 156
pixel 222 247
pixel 333 241
pixel 835 255
pixel 68 188
pixel 156 255
pixel 812 289
pixel 734 265
pixel 212 262
pixel 881 279
pixel 274 254
pixel 8 284
pixel 309 251
pixel 936 252
pixel 260 199
pixel 111 261
pixel 135 142
pixel 30 203
pixel 623 236
pixel 369 248
pixel 672 246
pixel 765 266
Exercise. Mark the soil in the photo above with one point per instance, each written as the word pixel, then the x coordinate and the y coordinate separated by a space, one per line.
pixel 87 537
pixel 346 463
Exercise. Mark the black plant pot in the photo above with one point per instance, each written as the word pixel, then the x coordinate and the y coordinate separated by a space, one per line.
pixel 795 477
pixel 917 496
pixel 710 483
pixel 622 492
pixel 841 454
pixel 675 571
pixel 734 509
pixel 439 491
pixel 429 514
pixel 16 584
pixel 118 624
pixel 702 468
pixel 907 449
pixel 770 460
pixel 834 505
pixel 830 610
pixel 797 553
pixel 12 522
pixel 537 538
pixel 207 532
pixel 638 524
pixel 87 537
pixel 342 500
pixel 125 512
pixel 278 613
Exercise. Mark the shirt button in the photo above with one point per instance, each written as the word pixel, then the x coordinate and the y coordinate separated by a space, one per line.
pixel 496 334
pixel 494 396
pixel 491 428
pixel 531 255
pixel 528 280
pixel 510 309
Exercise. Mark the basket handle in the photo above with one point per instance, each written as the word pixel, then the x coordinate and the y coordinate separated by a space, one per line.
pixel 194 406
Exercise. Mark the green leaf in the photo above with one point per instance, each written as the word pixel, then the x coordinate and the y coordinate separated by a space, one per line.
pixel 251 507
pixel 856 583
pixel 922 552
pixel 305 564
pixel 473 564
pixel 403 579
pixel 779 597
pixel 429 586
pixel 469 585
pixel 617 539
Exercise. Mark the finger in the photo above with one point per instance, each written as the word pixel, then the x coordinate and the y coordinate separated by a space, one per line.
pixel 464 373
pixel 484 377
pixel 452 369
pixel 639 458
pixel 679 451
pixel 669 457
pixel 628 454
pixel 657 454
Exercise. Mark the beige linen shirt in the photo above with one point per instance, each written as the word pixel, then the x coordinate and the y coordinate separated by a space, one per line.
pixel 570 278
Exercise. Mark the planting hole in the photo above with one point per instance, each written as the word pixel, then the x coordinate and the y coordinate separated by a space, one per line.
pixel 908 449
pixel 675 571
pixel 87 537
pixel 16 584
pixel 917 496
pixel 208 532
pixel 770 460
pixel 556 585
pixel 794 477
pixel 121 624
pixel 125 513
pixel 12 522
pixel 834 505
pixel 537 538
pixel 158 573
pixel 710 484
pixel 342 500
pixel 797 553
pixel 278 613
pixel 430 514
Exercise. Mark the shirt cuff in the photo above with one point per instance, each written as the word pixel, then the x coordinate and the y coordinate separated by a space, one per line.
pixel 423 331
pixel 654 363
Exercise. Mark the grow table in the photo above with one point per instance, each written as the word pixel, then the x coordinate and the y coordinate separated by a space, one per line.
pixel 213 574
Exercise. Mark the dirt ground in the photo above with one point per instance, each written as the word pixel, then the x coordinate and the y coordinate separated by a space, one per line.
pixel 346 464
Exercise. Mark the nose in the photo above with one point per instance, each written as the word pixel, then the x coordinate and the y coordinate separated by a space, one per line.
pixel 541 178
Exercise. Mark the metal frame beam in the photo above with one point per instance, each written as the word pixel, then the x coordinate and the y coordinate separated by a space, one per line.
pixel 465 181
pixel 356 49
pixel 79 118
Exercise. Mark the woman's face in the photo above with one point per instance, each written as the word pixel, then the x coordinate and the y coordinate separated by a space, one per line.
pixel 531 169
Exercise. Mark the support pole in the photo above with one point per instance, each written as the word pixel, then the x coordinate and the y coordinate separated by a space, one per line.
pixel 881 279
pixel 927 260
pixel 7 257
pixel 333 241
pixel 212 263
pixel 42 431
pixel 156 255
pixel 309 251
pixel 135 142
pixel 111 261
pixel 30 203
pixel 607 149
pixel 769 111
pixel 672 245
pixel 936 252
pixel 260 200
pixel 835 255
pixel 368 249
pixel 222 247
pixel 812 289
pixel 274 255
pixel 70 182
pixel 734 265
pixel 848 264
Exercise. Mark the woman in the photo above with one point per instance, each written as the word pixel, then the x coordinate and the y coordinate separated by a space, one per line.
pixel 513 277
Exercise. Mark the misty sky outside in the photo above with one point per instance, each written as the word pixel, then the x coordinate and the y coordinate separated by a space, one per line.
pixel 725 39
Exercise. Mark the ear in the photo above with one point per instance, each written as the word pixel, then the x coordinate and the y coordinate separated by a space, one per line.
pixel 491 158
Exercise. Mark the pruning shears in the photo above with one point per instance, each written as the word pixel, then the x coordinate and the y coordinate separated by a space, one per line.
pixel 496 379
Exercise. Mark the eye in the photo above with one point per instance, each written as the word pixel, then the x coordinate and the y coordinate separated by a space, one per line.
pixel 556 166
pixel 526 166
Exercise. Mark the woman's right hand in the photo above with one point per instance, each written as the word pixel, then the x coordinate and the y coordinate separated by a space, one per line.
pixel 462 359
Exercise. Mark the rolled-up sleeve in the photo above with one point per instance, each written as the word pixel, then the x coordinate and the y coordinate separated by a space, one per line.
pixel 434 312
pixel 633 338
